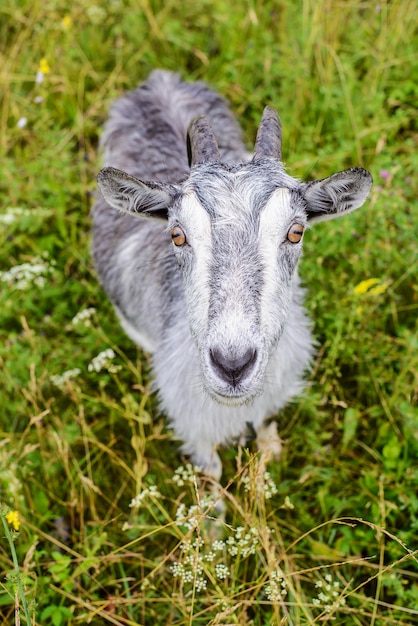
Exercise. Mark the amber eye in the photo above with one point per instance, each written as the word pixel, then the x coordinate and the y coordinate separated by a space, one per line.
pixel 177 236
pixel 295 233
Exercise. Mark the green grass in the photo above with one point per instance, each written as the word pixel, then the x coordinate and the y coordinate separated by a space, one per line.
pixel 344 513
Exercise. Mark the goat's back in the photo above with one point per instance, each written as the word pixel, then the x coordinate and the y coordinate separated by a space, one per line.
pixel 147 128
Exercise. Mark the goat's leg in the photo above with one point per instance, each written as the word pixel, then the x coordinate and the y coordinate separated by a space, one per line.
pixel 206 458
pixel 268 440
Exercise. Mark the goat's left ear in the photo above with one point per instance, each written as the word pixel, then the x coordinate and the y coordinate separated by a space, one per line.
pixel 339 194
pixel 130 195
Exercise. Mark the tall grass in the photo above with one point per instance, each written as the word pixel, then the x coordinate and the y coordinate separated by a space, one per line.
pixel 330 532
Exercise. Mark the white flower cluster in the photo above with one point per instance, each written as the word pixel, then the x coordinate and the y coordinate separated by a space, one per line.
pixel 270 487
pixel 267 486
pixel 190 575
pixel 186 475
pixel 191 517
pixel 221 571
pixel 15 213
pixel 83 317
pixel 287 504
pixel 148 492
pixel 97 14
pixel 103 361
pixel 100 362
pixel 243 543
pixel 329 597
pixel 276 589
pixel 61 380
pixel 26 275
pixel 239 543
pixel 191 569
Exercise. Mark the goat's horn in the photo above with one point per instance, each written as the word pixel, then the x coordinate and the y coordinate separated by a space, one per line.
pixel 201 143
pixel 269 136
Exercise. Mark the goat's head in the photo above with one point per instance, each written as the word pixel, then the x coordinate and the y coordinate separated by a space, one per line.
pixel 237 233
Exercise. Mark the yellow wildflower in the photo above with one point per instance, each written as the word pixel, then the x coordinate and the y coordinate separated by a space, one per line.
pixel 44 66
pixel 376 291
pixel 365 285
pixel 13 519
pixel 66 22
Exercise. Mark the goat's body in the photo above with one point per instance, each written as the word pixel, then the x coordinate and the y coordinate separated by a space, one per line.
pixel 145 136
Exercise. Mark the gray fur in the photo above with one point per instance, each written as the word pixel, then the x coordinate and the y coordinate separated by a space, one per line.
pixel 222 315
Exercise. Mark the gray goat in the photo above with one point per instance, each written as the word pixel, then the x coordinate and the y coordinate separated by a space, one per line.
pixel 197 243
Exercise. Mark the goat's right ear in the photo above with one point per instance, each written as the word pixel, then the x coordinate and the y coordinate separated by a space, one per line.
pixel 130 195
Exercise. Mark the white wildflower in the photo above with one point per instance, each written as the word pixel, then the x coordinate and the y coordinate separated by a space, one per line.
pixel 191 518
pixel 243 543
pixel 11 215
pixel 26 275
pixel 16 213
pixel 181 513
pixel 329 597
pixel 148 492
pixel 185 545
pixel 276 589
pixel 270 487
pixel 179 571
pixel 201 584
pixel 246 482
pixel 210 556
pixel 61 380
pixel 287 504
pixel 97 14
pixel 191 570
pixel 83 317
pixel 103 361
pixel 267 486
pixel 21 122
pixel 221 571
pixel 186 474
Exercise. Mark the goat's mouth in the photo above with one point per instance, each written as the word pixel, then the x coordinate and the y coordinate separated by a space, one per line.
pixel 232 399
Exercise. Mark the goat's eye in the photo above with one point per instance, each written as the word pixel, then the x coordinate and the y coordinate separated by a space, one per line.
pixel 295 233
pixel 177 236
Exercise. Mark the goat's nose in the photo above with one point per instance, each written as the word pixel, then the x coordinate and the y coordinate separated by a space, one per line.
pixel 233 369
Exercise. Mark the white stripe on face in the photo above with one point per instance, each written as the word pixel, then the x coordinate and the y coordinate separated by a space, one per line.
pixel 195 222
pixel 275 219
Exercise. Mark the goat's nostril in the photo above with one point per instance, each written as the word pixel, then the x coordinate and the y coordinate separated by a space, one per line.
pixel 233 369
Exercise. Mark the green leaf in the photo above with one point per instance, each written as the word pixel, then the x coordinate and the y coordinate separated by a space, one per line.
pixel 391 452
pixel 351 420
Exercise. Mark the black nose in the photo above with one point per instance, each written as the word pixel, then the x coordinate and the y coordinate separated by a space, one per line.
pixel 233 369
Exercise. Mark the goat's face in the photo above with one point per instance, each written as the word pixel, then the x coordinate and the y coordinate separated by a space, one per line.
pixel 237 235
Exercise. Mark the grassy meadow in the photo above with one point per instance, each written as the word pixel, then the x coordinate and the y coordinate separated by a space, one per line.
pixel 103 521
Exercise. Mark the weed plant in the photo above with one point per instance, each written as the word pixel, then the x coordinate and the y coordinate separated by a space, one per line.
pixel 113 526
